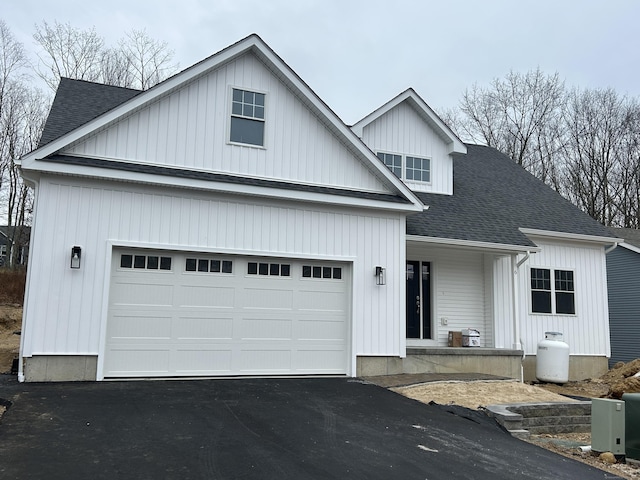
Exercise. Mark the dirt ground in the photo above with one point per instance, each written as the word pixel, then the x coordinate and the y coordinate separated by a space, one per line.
pixel 10 322
pixel 472 395
pixel 479 394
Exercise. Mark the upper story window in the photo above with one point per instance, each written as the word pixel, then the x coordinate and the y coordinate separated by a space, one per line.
pixel 418 169
pixel 247 117
pixel 552 296
pixel 393 162
pixel 410 168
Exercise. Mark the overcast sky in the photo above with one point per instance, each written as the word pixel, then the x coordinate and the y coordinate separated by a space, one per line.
pixel 356 54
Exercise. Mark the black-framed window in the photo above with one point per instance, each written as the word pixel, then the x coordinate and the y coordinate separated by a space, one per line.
pixel 247 117
pixel 205 265
pixel 145 262
pixel 269 269
pixel 322 271
pixel 555 296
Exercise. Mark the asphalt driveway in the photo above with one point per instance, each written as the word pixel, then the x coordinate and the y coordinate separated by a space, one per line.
pixel 327 428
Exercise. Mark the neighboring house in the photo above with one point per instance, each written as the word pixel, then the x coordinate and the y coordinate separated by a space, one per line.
pixel 14 245
pixel 623 281
pixel 227 222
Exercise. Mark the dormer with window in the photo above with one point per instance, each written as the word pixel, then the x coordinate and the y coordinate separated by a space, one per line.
pixel 412 141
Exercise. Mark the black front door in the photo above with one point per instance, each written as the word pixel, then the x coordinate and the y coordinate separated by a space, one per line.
pixel 418 299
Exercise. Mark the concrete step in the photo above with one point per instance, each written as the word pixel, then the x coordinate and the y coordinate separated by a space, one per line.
pixel 537 418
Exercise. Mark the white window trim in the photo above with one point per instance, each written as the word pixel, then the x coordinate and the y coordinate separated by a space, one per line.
pixel 403 166
pixel 230 114
pixel 552 271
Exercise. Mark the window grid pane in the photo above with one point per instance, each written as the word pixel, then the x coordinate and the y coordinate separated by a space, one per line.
pixel 248 104
pixel 393 162
pixel 418 169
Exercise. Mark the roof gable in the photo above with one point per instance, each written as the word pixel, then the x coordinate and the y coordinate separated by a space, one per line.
pixel 254 46
pixel 413 100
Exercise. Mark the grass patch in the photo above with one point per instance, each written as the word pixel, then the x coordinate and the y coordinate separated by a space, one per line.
pixel 12 284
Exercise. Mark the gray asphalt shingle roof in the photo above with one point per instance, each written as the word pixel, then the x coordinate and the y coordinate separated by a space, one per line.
pixel 493 197
pixel 78 102
pixel 630 235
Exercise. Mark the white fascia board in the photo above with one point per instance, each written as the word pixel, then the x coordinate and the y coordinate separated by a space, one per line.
pixel 628 246
pixel 277 65
pixel 571 236
pixel 475 245
pixel 427 113
pixel 84 171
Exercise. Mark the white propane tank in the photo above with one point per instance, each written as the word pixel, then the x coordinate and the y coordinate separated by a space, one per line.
pixel 552 360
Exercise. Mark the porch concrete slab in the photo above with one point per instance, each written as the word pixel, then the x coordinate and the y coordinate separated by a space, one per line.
pixel 405 379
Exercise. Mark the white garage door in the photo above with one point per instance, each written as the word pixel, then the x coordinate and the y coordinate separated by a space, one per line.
pixel 189 314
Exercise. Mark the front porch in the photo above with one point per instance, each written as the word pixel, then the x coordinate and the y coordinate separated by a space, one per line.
pixel 491 361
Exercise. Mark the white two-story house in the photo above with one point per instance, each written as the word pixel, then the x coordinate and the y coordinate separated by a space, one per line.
pixel 226 222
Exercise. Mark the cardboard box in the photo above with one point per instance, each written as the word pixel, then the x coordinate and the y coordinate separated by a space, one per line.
pixel 455 339
pixel 470 337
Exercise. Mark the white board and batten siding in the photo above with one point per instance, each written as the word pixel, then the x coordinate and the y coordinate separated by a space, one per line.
pixel 190 129
pixel 586 332
pixel 70 316
pixel 401 131
pixel 458 291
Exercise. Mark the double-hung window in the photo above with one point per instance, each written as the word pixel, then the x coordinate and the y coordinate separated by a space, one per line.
pixel 247 117
pixel 414 169
pixel 552 291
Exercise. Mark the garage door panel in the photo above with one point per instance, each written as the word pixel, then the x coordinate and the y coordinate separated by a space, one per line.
pixel 265 329
pixel 193 296
pixel 260 360
pixel 138 360
pixel 134 293
pixel 320 301
pixel 248 320
pixel 317 329
pixel 317 360
pixel 135 327
pixel 267 299
pixel 203 361
pixel 203 328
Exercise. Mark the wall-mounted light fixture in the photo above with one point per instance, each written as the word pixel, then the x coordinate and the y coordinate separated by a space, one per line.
pixel 76 255
pixel 381 276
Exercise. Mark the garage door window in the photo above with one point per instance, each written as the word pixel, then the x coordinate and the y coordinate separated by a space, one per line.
pixel 269 269
pixel 205 265
pixel 321 271
pixel 145 262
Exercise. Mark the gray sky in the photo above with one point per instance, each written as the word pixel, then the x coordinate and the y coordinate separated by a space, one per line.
pixel 357 54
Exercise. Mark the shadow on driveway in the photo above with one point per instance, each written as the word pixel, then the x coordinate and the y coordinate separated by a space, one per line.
pixel 312 428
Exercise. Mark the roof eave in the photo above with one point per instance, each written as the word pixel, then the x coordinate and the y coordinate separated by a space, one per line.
pixel 571 236
pixel 505 249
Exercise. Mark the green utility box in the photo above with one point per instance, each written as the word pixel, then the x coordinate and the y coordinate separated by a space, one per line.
pixel 632 424
pixel 607 426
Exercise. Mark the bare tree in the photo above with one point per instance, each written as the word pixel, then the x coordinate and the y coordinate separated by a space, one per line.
pixel 521 116
pixel 137 62
pixel 148 60
pixel 601 154
pixel 68 52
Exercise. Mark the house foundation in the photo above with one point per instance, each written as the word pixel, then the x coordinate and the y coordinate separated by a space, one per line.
pixel 60 368
pixel 491 361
